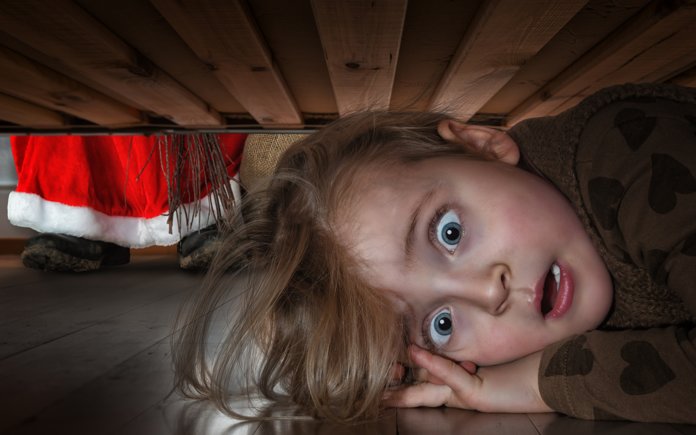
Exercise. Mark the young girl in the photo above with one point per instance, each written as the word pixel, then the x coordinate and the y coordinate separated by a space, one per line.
pixel 547 268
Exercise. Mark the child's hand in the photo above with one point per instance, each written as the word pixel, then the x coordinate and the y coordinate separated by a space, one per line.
pixel 511 387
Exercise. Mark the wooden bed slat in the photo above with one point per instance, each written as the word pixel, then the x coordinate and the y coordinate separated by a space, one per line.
pixel 29 115
pixel 586 29
pixel 224 35
pixel 140 25
pixel 361 40
pixel 291 34
pixel 627 50
pixel 686 78
pixel 653 64
pixel 42 86
pixel 88 48
pixel 147 66
pixel 503 36
pixel 425 54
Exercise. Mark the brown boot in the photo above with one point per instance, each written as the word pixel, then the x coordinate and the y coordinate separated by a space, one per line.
pixel 63 253
pixel 196 251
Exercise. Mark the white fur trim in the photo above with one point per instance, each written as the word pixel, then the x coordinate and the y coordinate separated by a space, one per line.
pixel 31 211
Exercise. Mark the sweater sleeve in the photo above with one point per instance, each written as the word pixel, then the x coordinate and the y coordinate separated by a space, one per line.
pixel 636 167
pixel 638 375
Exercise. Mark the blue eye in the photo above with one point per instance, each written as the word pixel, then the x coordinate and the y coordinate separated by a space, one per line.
pixel 449 230
pixel 441 328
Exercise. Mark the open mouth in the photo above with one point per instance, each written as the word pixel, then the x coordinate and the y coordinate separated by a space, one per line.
pixel 551 286
pixel 556 292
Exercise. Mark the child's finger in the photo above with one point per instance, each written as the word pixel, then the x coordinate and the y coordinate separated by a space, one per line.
pixel 425 394
pixel 456 376
pixel 422 375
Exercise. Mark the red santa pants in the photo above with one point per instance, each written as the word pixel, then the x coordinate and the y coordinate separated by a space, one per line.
pixel 108 188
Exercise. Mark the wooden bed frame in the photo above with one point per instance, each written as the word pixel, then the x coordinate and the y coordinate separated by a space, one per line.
pixel 94 66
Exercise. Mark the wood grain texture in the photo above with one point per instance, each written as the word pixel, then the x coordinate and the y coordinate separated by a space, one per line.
pixel 27 324
pixel 361 40
pixel 291 34
pixel 141 26
pixel 432 32
pixel 585 30
pixel 417 421
pixel 556 424
pixel 20 112
pixel 686 78
pixel 224 36
pixel 85 47
pixel 657 22
pixel 31 81
pixel 653 61
pixel 109 400
pixel 35 378
pixel 504 35
pixel 141 66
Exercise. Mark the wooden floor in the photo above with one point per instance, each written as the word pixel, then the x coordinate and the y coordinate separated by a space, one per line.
pixel 89 354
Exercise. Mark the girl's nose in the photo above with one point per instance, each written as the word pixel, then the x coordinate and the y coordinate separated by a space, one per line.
pixel 491 291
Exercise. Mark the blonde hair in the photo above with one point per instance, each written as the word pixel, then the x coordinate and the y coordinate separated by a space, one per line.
pixel 309 331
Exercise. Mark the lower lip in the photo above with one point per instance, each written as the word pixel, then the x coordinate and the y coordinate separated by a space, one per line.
pixel 564 299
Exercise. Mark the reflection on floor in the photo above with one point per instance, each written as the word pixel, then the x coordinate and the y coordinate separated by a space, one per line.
pixel 89 353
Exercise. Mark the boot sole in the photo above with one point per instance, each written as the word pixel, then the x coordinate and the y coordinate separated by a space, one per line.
pixel 47 254
pixel 37 257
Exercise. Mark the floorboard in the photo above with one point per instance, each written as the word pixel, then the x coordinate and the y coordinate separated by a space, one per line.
pixel 111 400
pixel 33 379
pixel 554 424
pixel 24 328
pixel 685 429
pixel 89 354
pixel 456 421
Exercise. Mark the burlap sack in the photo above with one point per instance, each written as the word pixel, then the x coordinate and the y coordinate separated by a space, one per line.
pixel 261 154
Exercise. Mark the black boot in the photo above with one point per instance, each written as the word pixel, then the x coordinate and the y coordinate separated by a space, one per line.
pixel 196 250
pixel 63 253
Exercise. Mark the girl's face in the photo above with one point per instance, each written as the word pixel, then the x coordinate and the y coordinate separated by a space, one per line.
pixel 488 262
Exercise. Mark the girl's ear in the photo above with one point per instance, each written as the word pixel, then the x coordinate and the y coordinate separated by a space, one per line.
pixel 480 139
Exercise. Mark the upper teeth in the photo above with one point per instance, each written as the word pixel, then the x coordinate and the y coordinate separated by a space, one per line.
pixel 556 274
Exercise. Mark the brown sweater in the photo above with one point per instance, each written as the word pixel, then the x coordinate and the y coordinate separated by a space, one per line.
pixel 626 159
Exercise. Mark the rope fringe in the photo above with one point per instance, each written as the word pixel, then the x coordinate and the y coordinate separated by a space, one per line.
pixel 189 161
